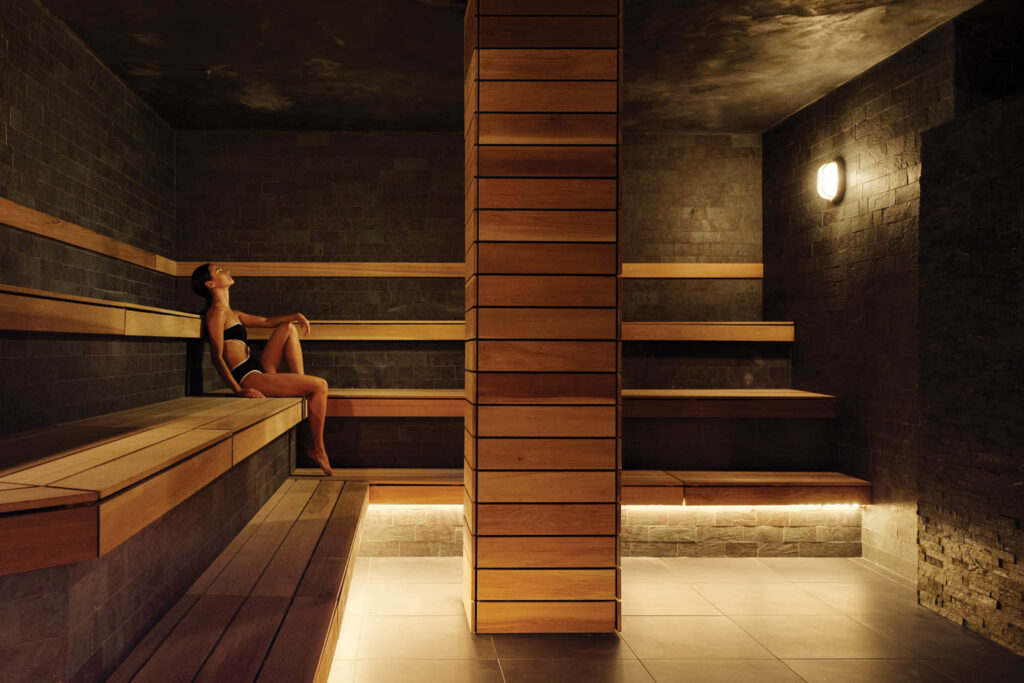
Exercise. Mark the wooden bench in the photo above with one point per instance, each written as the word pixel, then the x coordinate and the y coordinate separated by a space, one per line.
pixel 75 491
pixel 34 310
pixel 727 403
pixel 639 487
pixel 269 607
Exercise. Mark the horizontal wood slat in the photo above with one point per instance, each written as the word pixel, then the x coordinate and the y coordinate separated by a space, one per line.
pixel 727 403
pixel 693 270
pixel 375 330
pixel 546 323
pixel 563 32
pixel 546 487
pixel 546 617
pixel 542 7
pixel 777 495
pixel 546 421
pixel 545 584
pixel 331 269
pixel 497 64
pixel 546 291
pixel 549 258
pixel 558 193
pixel 548 96
pixel 546 356
pixel 709 331
pixel 547 162
pixel 547 129
pixel 47 538
pixel 523 519
pixel 547 226
pixel 545 551
pixel 533 453
pixel 524 387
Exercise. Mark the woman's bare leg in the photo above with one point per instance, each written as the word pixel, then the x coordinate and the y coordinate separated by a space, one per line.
pixel 292 384
pixel 283 345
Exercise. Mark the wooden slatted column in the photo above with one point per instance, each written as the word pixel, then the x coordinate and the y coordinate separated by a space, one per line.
pixel 542 461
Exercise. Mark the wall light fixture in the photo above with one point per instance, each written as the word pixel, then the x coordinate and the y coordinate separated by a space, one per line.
pixel 832 181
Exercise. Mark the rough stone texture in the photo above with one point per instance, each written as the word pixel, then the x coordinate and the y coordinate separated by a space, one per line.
pixel 705 365
pixel 691 198
pixel 75 142
pixel 46 379
pixel 338 196
pixel 412 531
pixel 970 461
pixel 847 275
pixel 692 300
pixel 394 442
pixel 728 444
pixel 77 622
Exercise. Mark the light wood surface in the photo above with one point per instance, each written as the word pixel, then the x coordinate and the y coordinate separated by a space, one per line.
pixel 549 454
pixel 552 257
pixel 546 323
pixel 542 388
pixel 249 440
pixel 331 269
pixel 546 617
pixel 47 538
pixel 546 421
pixel 546 487
pixel 375 330
pixel 497 64
pixel 546 291
pixel 547 226
pixel 34 497
pixel 545 551
pixel 693 270
pixel 545 584
pixel 550 519
pixel 708 331
pixel 546 356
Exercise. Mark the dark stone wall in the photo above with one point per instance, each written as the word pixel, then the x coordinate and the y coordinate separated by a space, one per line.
pixel 847 275
pixel 971 327
pixel 76 143
pixel 338 196
pixel 77 622
pixel 989 53
pixel 691 198
pixel 705 365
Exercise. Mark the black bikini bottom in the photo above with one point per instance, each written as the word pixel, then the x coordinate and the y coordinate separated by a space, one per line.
pixel 246 367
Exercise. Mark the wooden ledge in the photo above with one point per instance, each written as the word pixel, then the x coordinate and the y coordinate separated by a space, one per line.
pixel 332 269
pixel 727 403
pixel 693 270
pixel 708 331
pixel 82 488
pixel 377 330
pixel 33 310
pixel 639 487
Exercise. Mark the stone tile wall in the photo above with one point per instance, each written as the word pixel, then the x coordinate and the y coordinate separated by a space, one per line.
pixel 848 276
pixel 77 622
pixel 970 462
pixel 705 365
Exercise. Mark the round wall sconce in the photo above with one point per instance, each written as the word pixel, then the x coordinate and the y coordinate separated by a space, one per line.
pixel 832 181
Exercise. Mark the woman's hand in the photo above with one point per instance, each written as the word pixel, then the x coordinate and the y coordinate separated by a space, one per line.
pixel 250 393
pixel 301 321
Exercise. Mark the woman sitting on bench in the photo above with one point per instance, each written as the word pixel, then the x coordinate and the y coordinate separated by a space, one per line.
pixel 252 378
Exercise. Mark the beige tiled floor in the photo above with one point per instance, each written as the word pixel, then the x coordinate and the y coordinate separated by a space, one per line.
pixel 684 619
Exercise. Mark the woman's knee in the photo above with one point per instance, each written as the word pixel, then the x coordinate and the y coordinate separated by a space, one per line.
pixel 289 329
pixel 320 385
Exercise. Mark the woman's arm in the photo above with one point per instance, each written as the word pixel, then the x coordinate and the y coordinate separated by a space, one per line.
pixel 215 328
pixel 257 321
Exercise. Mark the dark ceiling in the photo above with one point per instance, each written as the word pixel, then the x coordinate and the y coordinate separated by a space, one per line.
pixel 698 65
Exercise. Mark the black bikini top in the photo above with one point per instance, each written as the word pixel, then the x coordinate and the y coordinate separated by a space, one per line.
pixel 236 331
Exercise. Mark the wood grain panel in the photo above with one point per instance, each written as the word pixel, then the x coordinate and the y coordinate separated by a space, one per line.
pixel 471 231
pixel 472 198
pixel 545 584
pixel 742 478
pixel 547 226
pixel 143 324
pixel 546 421
pixel 520 65
pixel 559 193
pixel 548 258
pixel 708 331
pixel 777 495
pixel 470 383
pixel 470 416
pixel 36 497
pixel 524 387
pixel 546 487
pixel 546 617
pixel 332 269
pixel 124 515
pixel 471 323
pixel 546 356
pixel 541 7
pixel 554 454
pixel 472 292
pixel 47 538
pixel 34 314
pixel 471 355
pixel 400 494
pixel 548 129
pixel 546 291
pixel 469 477
pixel 548 96
pixel 547 323
pixel 693 270
pixel 524 519
pixel 545 551
pixel 562 32
pixel 375 330
pixel 250 440
pixel 548 162
pixel 652 495
pixel 469 512
pixel 469 448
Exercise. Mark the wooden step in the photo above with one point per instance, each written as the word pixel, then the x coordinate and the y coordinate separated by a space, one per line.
pixel 727 403
pixel 377 330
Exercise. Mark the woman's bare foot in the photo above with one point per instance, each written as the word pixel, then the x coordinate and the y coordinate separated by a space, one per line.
pixel 321 459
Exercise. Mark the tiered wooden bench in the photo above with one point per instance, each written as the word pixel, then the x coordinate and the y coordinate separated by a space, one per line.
pixel 269 607
pixel 727 403
pixel 639 487
pixel 75 491
pixel 34 310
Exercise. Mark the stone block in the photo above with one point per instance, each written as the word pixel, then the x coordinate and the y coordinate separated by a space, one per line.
pixel 675 534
